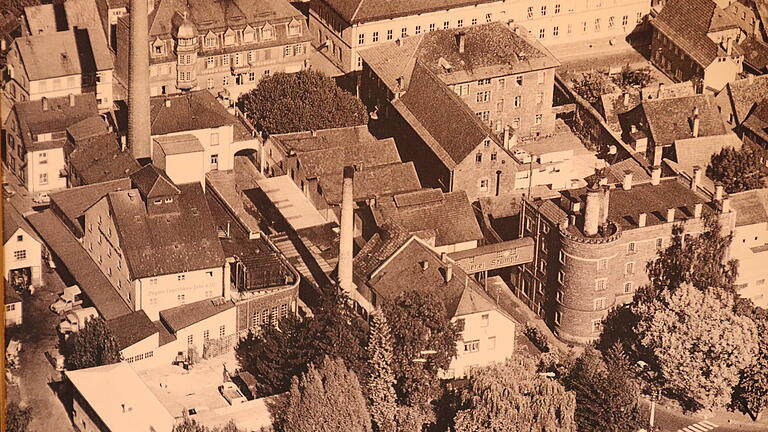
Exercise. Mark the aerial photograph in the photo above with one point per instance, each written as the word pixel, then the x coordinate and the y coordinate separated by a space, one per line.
pixel 384 215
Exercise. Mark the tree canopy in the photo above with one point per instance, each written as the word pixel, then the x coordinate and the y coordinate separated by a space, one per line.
pixel 17 419
pixel 381 380
pixel 696 344
pixel 592 85
pixel 301 101
pixel 275 354
pixel 191 425
pixel 326 398
pixel 737 170
pixel 751 393
pixel 94 345
pixel 511 396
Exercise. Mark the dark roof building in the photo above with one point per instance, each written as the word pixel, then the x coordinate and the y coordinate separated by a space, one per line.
pixel 737 98
pixel 98 159
pixel 183 316
pixel 131 328
pixel 755 128
pixel 37 118
pixel 355 11
pixel 71 204
pixel 187 112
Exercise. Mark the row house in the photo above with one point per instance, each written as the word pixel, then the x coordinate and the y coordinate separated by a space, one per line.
pixel 56 64
pixel 695 40
pixel 218 46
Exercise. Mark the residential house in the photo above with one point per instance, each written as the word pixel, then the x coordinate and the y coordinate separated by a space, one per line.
pixel 218 46
pixel 749 16
pixel 36 137
pixel 750 244
pixel 692 156
pixel 754 129
pixel 394 262
pixel 54 64
pixel 13 307
pixel 695 40
pixel 737 98
pixel 23 251
pixel 612 105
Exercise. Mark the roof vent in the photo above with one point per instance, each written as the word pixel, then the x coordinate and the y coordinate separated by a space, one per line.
pixel 167 103
pixel 424 265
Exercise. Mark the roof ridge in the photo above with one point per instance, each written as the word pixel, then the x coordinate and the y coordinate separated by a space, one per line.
pixel 357 9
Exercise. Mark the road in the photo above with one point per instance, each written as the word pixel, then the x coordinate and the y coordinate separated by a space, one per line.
pixel 671 421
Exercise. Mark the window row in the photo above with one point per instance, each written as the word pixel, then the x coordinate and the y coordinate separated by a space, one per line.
pixel 585 26
pixel 137 357
pixel 362 38
pixel 473 346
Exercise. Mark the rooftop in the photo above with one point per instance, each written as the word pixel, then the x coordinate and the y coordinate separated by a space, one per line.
pixel 744 93
pixel 372 182
pixel 73 202
pixel 448 216
pixel 120 399
pixel 332 160
pixel 100 159
pixel 42 19
pixel 751 207
pixel 323 139
pixel 692 152
pixel 179 144
pixel 36 119
pixel 87 128
pixel 63 53
pixel 755 53
pixel 360 11
pixel 291 202
pixel 187 112
pixel 13 221
pixel 131 328
pixel 757 120
pixel 183 316
pixel 10 295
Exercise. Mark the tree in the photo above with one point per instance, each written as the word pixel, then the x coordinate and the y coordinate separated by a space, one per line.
pixel 94 345
pixel 17 418
pixel 419 322
pixel 606 394
pixel 191 425
pixel 695 343
pixel 592 85
pixel 629 78
pixel 274 354
pixel 737 170
pixel 326 398
pixel 512 397
pixel 301 101
pixel 751 393
pixel 380 383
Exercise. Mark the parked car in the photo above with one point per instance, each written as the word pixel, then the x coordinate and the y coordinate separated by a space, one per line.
pixel 75 320
pixel 231 393
pixel 8 191
pixel 71 298
pixel 42 198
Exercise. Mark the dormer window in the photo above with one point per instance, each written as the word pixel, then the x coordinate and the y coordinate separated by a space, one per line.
pixel 229 37
pixel 168 200
pixel 210 40
pixel 158 201
pixel 249 35
pixel 294 28
pixel 158 48
pixel 268 32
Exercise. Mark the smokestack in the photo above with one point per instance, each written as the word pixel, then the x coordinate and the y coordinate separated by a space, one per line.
pixel 718 193
pixel 670 215
pixel 347 230
pixel 658 152
pixel 656 175
pixel 695 123
pixel 661 90
pixel 697 210
pixel 604 203
pixel 626 98
pixel 642 219
pixel 626 184
pixel 448 273
pixel 460 36
pixel 138 81
pixel 696 177
pixel 71 99
pixel 592 210
pixel 44 102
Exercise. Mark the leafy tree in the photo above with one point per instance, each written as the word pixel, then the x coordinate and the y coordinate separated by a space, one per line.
pixel 606 394
pixel 629 77
pixel 326 398
pixel 512 397
pixel 592 85
pixel 696 344
pixel 751 394
pixel 419 322
pixel 275 354
pixel 93 345
pixel 17 418
pixel 190 425
pixel 301 101
pixel 737 170
pixel 381 393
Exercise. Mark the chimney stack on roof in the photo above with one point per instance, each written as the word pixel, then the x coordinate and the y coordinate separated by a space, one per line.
pixel 658 152
pixel 755 27
pixel 697 208
pixel 444 257
pixel 460 36
pixel 626 184
pixel 626 98
pixel 604 204
pixel 656 175
pixel 695 120
pixel 138 80
pixel 346 237
pixel 448 273
pixel 728 46
pixel 718 193
pixel 661 90
pixel 642 219
pixel 71 99
pixel 44 103
pixel 506 137
pixel 671 215
pixel 592 210
pixel 696 177
pixel 398 42
pixel 750 79
pixel 725 206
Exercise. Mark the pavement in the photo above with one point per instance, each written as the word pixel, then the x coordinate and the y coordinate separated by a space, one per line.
pixel 672 420
pixel 22 199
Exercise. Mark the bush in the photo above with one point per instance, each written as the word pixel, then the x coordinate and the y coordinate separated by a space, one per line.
pixel 537 338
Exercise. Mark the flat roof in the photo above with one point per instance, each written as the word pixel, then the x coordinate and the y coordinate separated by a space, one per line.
pixel 179 144
pixel 291 202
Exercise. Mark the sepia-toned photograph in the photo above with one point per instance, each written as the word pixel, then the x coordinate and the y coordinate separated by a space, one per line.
pixel 384 215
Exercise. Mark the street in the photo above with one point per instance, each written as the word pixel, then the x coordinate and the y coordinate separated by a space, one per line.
pixel 671 421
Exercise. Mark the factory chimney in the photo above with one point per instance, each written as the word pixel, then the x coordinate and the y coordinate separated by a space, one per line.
pixel 138 81
pixel 592 209
pixel 347 230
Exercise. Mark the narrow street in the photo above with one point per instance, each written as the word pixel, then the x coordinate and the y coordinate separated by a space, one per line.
pixel 672 421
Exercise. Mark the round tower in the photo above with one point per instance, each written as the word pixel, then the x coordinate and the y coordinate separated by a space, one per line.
pixel 186 55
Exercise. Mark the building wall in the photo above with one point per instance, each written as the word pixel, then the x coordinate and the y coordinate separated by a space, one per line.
pixel 223 150
pixel 166 291
pixel 101 241
pixel 263 307
pixel 142 354
pixel 725 107
pixel 84 419
pixel 182 168
pixel 196 333
pixel 488 337
pixel 456 247
pixel 720 73
pixel 751 281
pixel 491 176
pixel 32 255
pixel 13 313
pixel 44 170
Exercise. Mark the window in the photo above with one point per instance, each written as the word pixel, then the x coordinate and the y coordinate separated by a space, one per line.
pixel 209 83
pixel 181 298
pixel 543 10
pixel 214 139
pixel 20 254
pixel 557 317
pixel 446 25
pixel 417 30
pixel 625 20
pixel 597 24
pixel 584 25
pixel 267 33
pixel 10 307
pixel 570 28
pixel 273 315
pixel 479 157
pixel 484 116
pixel 265 316
pixel 542 33
pixel 206 335
pixel 611 22
pixel 543 266
pixel 488 18
pixel 494 156
pixel 471 346
pixel 561 257
pixel 461 89
pixel 432 27
pixel 483 184
pixel 460 23
pixel 540 76
pixel 659 243
pixel 404 32
pixel 485 81
pixel 222 330
pixel 43 158
pixel 474 21
pixel 181 277
pixel 44 178
pixel 629 268
pixel 502 83
pixel 599 303
pixel 600 284
pixel 555 31
pixel 251 76
pixel 190 340
pixel 492 343
pixel 294 29
pixel 484 319
pixel 153 281
pixel 483 96
pixel 375 37
pixel 537 119
pixel 518 101
pixel 628 287
pixel 639 17
pixel 389 34
pixel 283 310
pixel 361 39
pixel 631 247
pixel 597 326
pixel 559 296
pixel 530 12
pixel 516 123
pixel 557 8
pixel 287 51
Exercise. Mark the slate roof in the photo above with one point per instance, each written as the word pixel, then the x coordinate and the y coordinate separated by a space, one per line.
pixel 177 241
pixel 615 173
pixel 687 23
pixel 757 120
pixel 744 94
pixel 371 182
pixel 698 152
pixel 88 128
pixel 668 120
pixel 10 295
pixel 612 104
pixel 152 182
pixel 183 316
pixel 73 202
pixel 360 11
pixel 323 139
pixel 12 221
pixel 333 160
pixel 755 53
pixel 751 206
pixel 58 54
pixel 60 115
pixel 100 159
pixel 42 19
pixel 378 248
pixel 448 215
pixel 131 328
pixel 187 112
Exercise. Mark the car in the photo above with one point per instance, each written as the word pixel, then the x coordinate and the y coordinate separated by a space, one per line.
pixel 8 191
pixel 70 299
pixel 76 319
pixel 231 393
pixel 42 198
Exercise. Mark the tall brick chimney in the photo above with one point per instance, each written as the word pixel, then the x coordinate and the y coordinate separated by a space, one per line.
pixel 138 81
pixel 347 233
pixel 592 209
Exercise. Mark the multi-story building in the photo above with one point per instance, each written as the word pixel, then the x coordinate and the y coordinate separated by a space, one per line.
pixel 754 129
pixel 54 64
pixel 94 154
pixel 219 46
pixel 36 137
pixel 737 98
pixel 592 245
pixel 23 251
pixel 342 28
pixel 749 15
pixel 393 263
pixel 156 243
pixel 695 40
pixel 750 244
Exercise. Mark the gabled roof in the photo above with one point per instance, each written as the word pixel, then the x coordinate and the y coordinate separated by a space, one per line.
pixel 88 128
pixel 757 120
pixel 187 112
pixel 751 206
pixel 64 53
pixel 372 182
pixel 359 11
pixel 179 144
pixel 687 23
pixel 42 19
pixel 13 221
pixel 99 158
pixel 60 115
pixel 333 160
pixel 755 53
pixel 449 216
pixel 152 182
pixel 73 202
pixel 323 139
pixel 180 317
pixel 131 328
pixel 744 93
